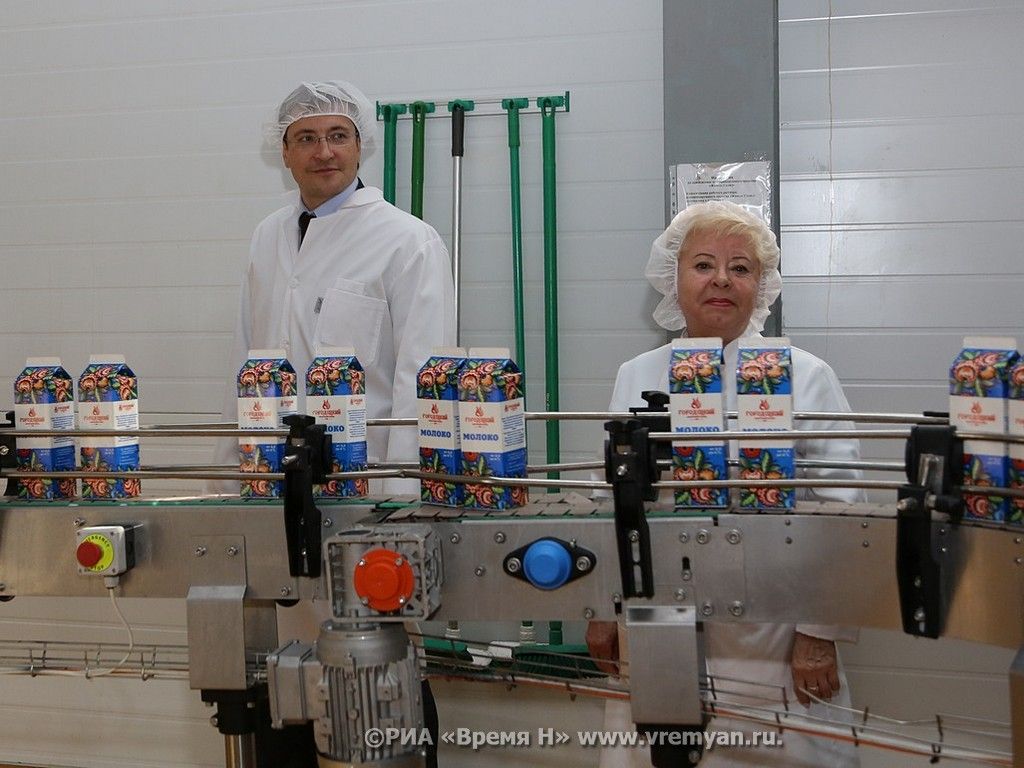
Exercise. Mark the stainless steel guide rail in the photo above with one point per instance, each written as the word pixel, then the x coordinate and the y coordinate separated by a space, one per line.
pixel 232 560
pixel 758 570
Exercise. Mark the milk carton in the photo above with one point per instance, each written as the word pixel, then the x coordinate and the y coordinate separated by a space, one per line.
pixel 492 421
pixel 108 398
pixel 978 391
pixel 266 394
pixel 764 401
pixel 437 397
pixel 697 406
pixel 1015 468
pixel 336 396
pixel 44 399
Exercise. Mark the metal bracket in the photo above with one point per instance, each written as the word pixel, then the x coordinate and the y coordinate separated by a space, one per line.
pixel 394 111
pixel 934 458
pixel 306 461
pixel 664 638
pixel 631 466
pixel 215 613
pixel 8 457
pixel 657 402
pixel 293 674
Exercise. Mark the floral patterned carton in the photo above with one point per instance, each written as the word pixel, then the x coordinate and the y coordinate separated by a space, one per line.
pixel 336 396
pixel 695 400
pixel 978 391
pixel 44 399
pixel 108 398
pixel 1015 468
pixel 764 402
pixel 437 395
pixel 266 394
pixel 492 421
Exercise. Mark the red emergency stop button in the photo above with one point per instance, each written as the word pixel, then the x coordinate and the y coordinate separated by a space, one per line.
pixel 89 553
pixel 384 580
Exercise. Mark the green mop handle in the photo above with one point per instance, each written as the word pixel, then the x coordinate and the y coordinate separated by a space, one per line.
pixel 390 113
pixel 547 106
pixel 419 110
pixel 513 106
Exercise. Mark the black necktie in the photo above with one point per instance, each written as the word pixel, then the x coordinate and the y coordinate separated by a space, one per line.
pixel 304 219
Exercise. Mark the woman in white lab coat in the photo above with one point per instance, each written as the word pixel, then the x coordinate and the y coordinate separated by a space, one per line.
pixel 717 267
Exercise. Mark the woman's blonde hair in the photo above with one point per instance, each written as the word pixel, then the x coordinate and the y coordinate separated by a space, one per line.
pixel 722 218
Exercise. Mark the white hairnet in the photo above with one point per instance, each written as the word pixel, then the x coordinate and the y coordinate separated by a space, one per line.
pixel 333 97
pixel 724 218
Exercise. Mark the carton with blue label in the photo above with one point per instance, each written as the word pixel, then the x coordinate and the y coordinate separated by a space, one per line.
pixel 336 397
pixel 108 398
pixel 266 394
pixel 1015 459
pixel 697 408
pixel 492 420
pixel 764 402
pixel 44 400
pixel 440 445
pixel 978 398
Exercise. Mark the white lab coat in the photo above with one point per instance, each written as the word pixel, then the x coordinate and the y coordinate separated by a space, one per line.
pixel 369 276
pixel 757 651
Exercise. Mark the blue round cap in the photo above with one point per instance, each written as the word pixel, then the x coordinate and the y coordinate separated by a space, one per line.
pixel 547 564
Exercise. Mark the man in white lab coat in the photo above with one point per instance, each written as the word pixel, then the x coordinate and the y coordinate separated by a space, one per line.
pixel 340 266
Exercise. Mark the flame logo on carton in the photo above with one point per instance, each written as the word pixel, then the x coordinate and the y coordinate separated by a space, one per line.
pixel 764 405
pixel 31 413
pixel 434 409
pixel 695 404
pixel 257 407
pixel 479 411
pixel 95 410
pixel 975 415
pixel 327 405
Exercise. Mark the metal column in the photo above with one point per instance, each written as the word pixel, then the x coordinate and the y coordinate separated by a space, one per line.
pixel 721 89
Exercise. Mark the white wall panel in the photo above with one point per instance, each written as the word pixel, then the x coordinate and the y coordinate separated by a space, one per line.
pixel 796 11
pixel 880 356
pixel 933 248
pixel 888 92
pixel 87 265
pixel 905 301
pixel 986 33
pixel 899 239
pixel 904 144
pixel 890 197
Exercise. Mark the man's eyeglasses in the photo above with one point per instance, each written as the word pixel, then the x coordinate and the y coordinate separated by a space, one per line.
pixel 309 141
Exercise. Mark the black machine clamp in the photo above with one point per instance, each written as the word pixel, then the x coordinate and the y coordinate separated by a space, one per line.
pixel 8 457
pixel 631 466
pixel 934 464
pixel 307 461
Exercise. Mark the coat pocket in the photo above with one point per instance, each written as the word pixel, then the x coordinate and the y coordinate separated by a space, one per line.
pixel 350 319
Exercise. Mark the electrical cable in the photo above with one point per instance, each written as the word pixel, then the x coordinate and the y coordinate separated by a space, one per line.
pixel 128 627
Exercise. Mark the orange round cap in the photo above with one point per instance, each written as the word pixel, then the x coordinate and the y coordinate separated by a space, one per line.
pixel 384 580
